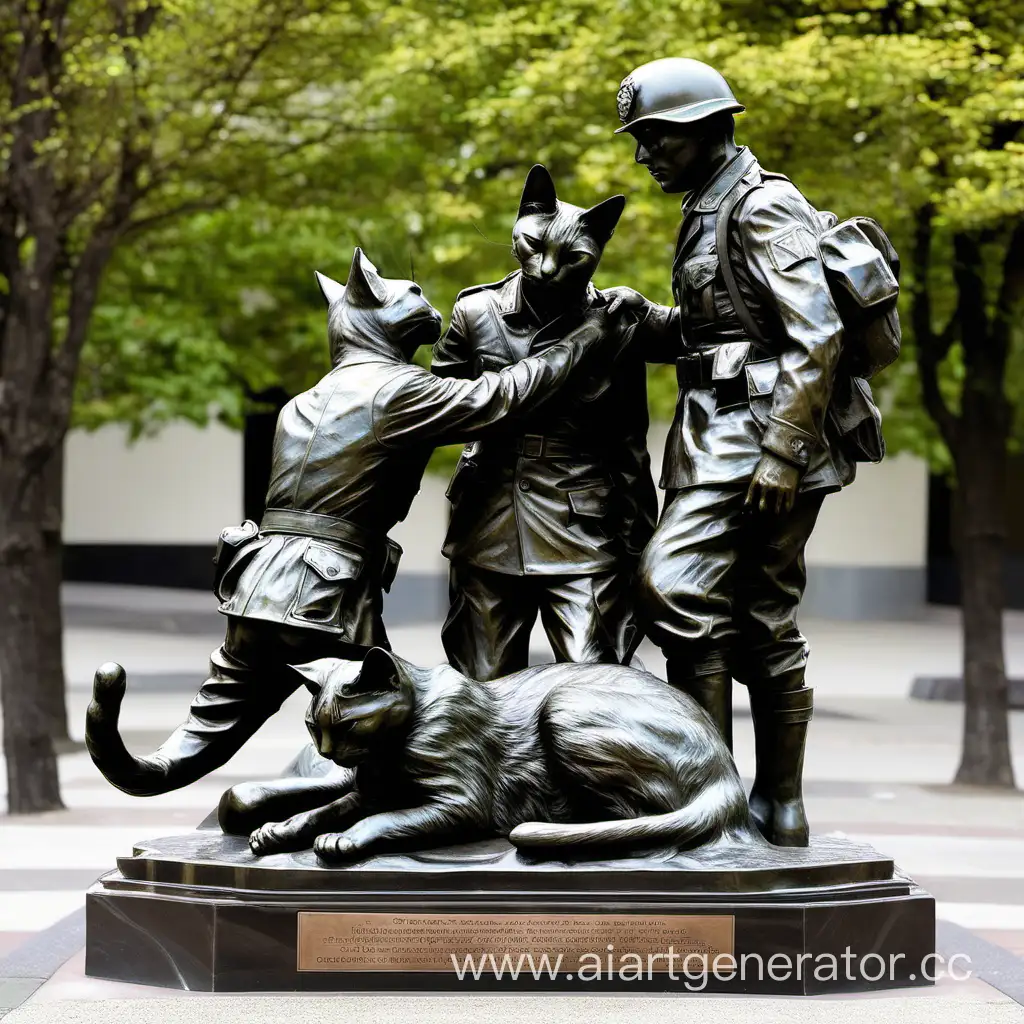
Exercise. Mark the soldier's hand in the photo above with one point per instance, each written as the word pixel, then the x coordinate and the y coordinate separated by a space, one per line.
pixel 621 297
pixel 774 485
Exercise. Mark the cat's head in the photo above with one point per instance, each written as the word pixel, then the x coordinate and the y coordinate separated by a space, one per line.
pixel 559 245
pixel 357 707
pixel 375 312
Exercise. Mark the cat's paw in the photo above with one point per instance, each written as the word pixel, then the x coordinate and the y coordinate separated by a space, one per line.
pixel 267 839
pixel 334 846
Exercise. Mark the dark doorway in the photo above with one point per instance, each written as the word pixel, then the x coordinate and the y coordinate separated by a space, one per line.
pixel 257 445
pixel 943 578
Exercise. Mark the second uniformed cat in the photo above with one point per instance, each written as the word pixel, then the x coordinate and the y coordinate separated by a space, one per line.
pixel 550 515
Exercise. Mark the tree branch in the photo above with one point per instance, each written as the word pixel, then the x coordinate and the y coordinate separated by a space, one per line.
pixel 137 225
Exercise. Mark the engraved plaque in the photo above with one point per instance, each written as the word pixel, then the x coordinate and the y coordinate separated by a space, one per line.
pixel 544 944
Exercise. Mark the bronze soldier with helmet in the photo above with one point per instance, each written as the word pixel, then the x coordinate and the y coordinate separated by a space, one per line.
pixel 769 420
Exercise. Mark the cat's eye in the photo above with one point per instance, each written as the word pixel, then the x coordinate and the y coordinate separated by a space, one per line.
pixel 533 243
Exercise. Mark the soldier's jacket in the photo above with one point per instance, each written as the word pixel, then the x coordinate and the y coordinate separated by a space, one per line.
pixel 793 400
pixel 567 491
pixel 353 449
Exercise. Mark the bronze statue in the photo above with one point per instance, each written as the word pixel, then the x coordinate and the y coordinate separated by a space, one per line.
pixel 780 316
pixel 347 461
pixel 553 803
pixel 562 759
pixel 550 515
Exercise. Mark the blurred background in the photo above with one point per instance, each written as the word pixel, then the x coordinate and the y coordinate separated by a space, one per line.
pixel 172 174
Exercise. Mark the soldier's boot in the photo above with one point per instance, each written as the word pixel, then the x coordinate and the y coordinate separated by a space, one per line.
pixel 780 734
pixel 711 690
pixel 228 709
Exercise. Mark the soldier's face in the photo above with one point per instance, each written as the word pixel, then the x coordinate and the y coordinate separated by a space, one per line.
pixel 675 156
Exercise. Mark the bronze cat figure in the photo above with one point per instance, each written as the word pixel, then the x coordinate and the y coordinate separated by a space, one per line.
pixel 563 759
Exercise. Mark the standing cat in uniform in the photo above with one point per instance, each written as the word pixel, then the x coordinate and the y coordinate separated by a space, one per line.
pixel 549 516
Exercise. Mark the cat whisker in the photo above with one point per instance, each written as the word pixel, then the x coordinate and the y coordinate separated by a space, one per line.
pixel 489 241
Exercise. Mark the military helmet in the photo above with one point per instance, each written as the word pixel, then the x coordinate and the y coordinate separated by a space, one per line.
pixel 674 89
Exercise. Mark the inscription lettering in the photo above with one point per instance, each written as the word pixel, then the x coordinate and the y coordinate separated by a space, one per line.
pixel 426 942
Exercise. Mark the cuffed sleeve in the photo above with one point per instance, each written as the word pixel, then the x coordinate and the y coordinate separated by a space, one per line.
pixel 788 442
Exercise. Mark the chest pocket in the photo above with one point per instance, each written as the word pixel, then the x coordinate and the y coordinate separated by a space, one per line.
pixel 698 276
pixel 329 573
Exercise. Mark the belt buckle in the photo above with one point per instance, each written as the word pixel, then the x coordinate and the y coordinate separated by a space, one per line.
pixel 532 446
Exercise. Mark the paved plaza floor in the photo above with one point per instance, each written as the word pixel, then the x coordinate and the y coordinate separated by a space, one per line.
pixel 878 768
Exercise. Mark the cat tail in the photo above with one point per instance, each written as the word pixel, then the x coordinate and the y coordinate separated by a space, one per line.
pixel 224 715
pixel 713 812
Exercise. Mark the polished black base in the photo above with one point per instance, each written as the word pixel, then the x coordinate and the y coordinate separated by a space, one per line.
pixel 199 912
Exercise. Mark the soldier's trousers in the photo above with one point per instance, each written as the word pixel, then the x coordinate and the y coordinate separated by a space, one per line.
pixel 587 619
pixel 719 585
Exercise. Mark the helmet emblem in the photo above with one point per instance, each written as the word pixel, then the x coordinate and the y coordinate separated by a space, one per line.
pixel 626 98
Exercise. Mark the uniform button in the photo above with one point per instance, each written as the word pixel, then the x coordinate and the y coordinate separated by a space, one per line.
pixel 332 570
pixel 524 485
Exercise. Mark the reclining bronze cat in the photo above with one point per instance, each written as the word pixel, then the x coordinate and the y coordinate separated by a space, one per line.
pixel 562 759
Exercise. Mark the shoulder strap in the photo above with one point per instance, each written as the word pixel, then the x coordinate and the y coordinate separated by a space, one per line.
pixel 738 193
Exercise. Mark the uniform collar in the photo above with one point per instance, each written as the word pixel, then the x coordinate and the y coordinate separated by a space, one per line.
pixel 708 198
pixel 511 302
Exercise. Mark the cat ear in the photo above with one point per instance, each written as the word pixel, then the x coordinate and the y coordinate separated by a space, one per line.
pixel 314 674
pixel 379 672
pixel 601 219
pixel 329 288
pixel 365 288
pixel 538 193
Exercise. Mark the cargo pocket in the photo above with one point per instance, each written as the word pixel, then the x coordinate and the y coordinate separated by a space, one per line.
pixel 589 505
pixel 328 575
pixel 227 577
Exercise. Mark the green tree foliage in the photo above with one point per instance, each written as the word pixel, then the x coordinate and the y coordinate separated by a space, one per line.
pixel 872 107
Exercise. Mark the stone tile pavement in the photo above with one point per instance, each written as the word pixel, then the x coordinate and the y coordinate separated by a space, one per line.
pixel 878 768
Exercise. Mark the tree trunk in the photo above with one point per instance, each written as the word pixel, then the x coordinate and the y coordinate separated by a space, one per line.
pixel 32 782
pixel 51 623
pixel 980 534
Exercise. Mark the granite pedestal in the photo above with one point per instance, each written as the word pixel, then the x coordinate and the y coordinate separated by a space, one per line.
pixel 200 912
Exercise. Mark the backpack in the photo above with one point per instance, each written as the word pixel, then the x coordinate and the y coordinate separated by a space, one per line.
pixel 862 269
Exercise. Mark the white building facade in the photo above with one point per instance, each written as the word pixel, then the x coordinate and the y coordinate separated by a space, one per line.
pixel 150 513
